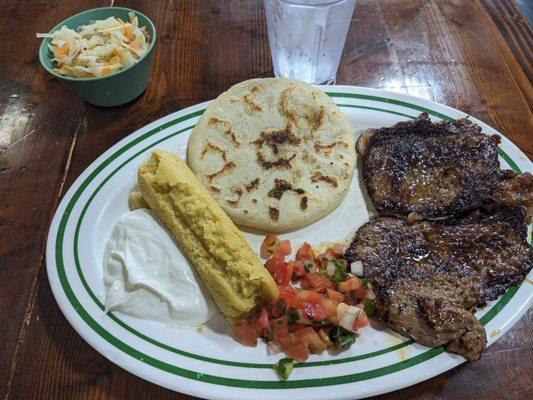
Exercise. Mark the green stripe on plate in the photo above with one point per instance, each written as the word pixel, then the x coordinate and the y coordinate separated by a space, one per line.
pixel 377 109
pixel 391 101
pixel 171 348
pixel 222 380
pixel 509 160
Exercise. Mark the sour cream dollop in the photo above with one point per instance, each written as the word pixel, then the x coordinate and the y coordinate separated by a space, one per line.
pixel 147 277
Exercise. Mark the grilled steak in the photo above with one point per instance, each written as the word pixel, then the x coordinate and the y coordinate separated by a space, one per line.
pixel 437 169
pixel 427 274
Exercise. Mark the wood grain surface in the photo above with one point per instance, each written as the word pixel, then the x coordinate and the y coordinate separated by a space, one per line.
pixel 474 55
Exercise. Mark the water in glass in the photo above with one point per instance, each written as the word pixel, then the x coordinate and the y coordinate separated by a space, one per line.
pixel 307 36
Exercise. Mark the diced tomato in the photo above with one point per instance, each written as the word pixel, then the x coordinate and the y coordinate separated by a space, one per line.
pixel 283 273
pixel 334 295
pixel 284 247
pixel 370 295
pixel 309 337
pixel 246 334
pixel 279 328
pixel 315 312
pixel 299 352
pixel 360 293
pixel 296 327
pixel 286 298
pixel 305 253
pixel 298 269
pixel 309 297
pixel 293 323
pixel 294 348
pixel 328 255
pixel 349 285
pixel 311 266
pixel 351 298
pixel 262 322
pixel 269 244
pixel 361 321
pixel 331 306
pixel 316 282
pixel 279 307
pixel 300 317
pixel 274 263
pixel 289 339
pixel 337 249
pixel 288 293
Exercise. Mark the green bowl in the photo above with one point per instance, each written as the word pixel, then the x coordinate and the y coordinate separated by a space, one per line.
pixel 114 89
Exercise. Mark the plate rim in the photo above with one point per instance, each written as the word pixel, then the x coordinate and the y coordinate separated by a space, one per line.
pixel 345 91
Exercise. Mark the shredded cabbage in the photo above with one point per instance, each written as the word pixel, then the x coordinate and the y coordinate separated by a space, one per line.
pixel 97 49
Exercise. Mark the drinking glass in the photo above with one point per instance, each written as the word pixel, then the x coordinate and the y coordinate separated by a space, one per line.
pixel 307 36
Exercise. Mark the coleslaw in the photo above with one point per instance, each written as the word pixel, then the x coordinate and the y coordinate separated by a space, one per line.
pixel 97 49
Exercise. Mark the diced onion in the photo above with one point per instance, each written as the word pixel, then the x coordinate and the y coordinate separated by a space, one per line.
pixel 273 348
pixel 347 321
pixel 342 309
pixel 347 315
pixel 331 268
pixel 356 268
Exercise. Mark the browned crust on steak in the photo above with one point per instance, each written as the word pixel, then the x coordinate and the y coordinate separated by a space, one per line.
pixel 435 169
pixel 426 274
pixel 512 189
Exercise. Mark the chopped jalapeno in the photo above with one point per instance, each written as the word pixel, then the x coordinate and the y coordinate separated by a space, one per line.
pixel 342 337
pixel 284 367
pixel 321 323
pixel 340 274
pixel 293 316
pixel 369 307
pixel 281 305
pixel 365 284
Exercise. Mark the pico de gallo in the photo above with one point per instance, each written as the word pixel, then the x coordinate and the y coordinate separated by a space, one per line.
pixel 321 304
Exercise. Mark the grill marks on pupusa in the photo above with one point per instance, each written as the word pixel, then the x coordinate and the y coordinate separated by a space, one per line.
pixel 320 177
pixel 227 167
pixel 271 130
pixel 228 129
pixel 275 139
pixel 281 186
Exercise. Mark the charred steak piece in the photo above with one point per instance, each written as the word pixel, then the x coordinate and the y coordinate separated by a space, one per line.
pixel 437 169
pixel 427 274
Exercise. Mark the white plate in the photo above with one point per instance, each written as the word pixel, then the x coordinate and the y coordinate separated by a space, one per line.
pixel 211 364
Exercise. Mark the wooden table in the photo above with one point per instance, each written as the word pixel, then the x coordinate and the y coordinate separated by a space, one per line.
pixel 474 55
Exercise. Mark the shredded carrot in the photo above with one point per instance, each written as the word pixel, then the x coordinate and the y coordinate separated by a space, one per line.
pixel 100 48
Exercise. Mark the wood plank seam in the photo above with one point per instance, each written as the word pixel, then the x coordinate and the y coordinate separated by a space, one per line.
pixel 520 25
pixel 512 71
pixel 512 42
pixel 35 284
